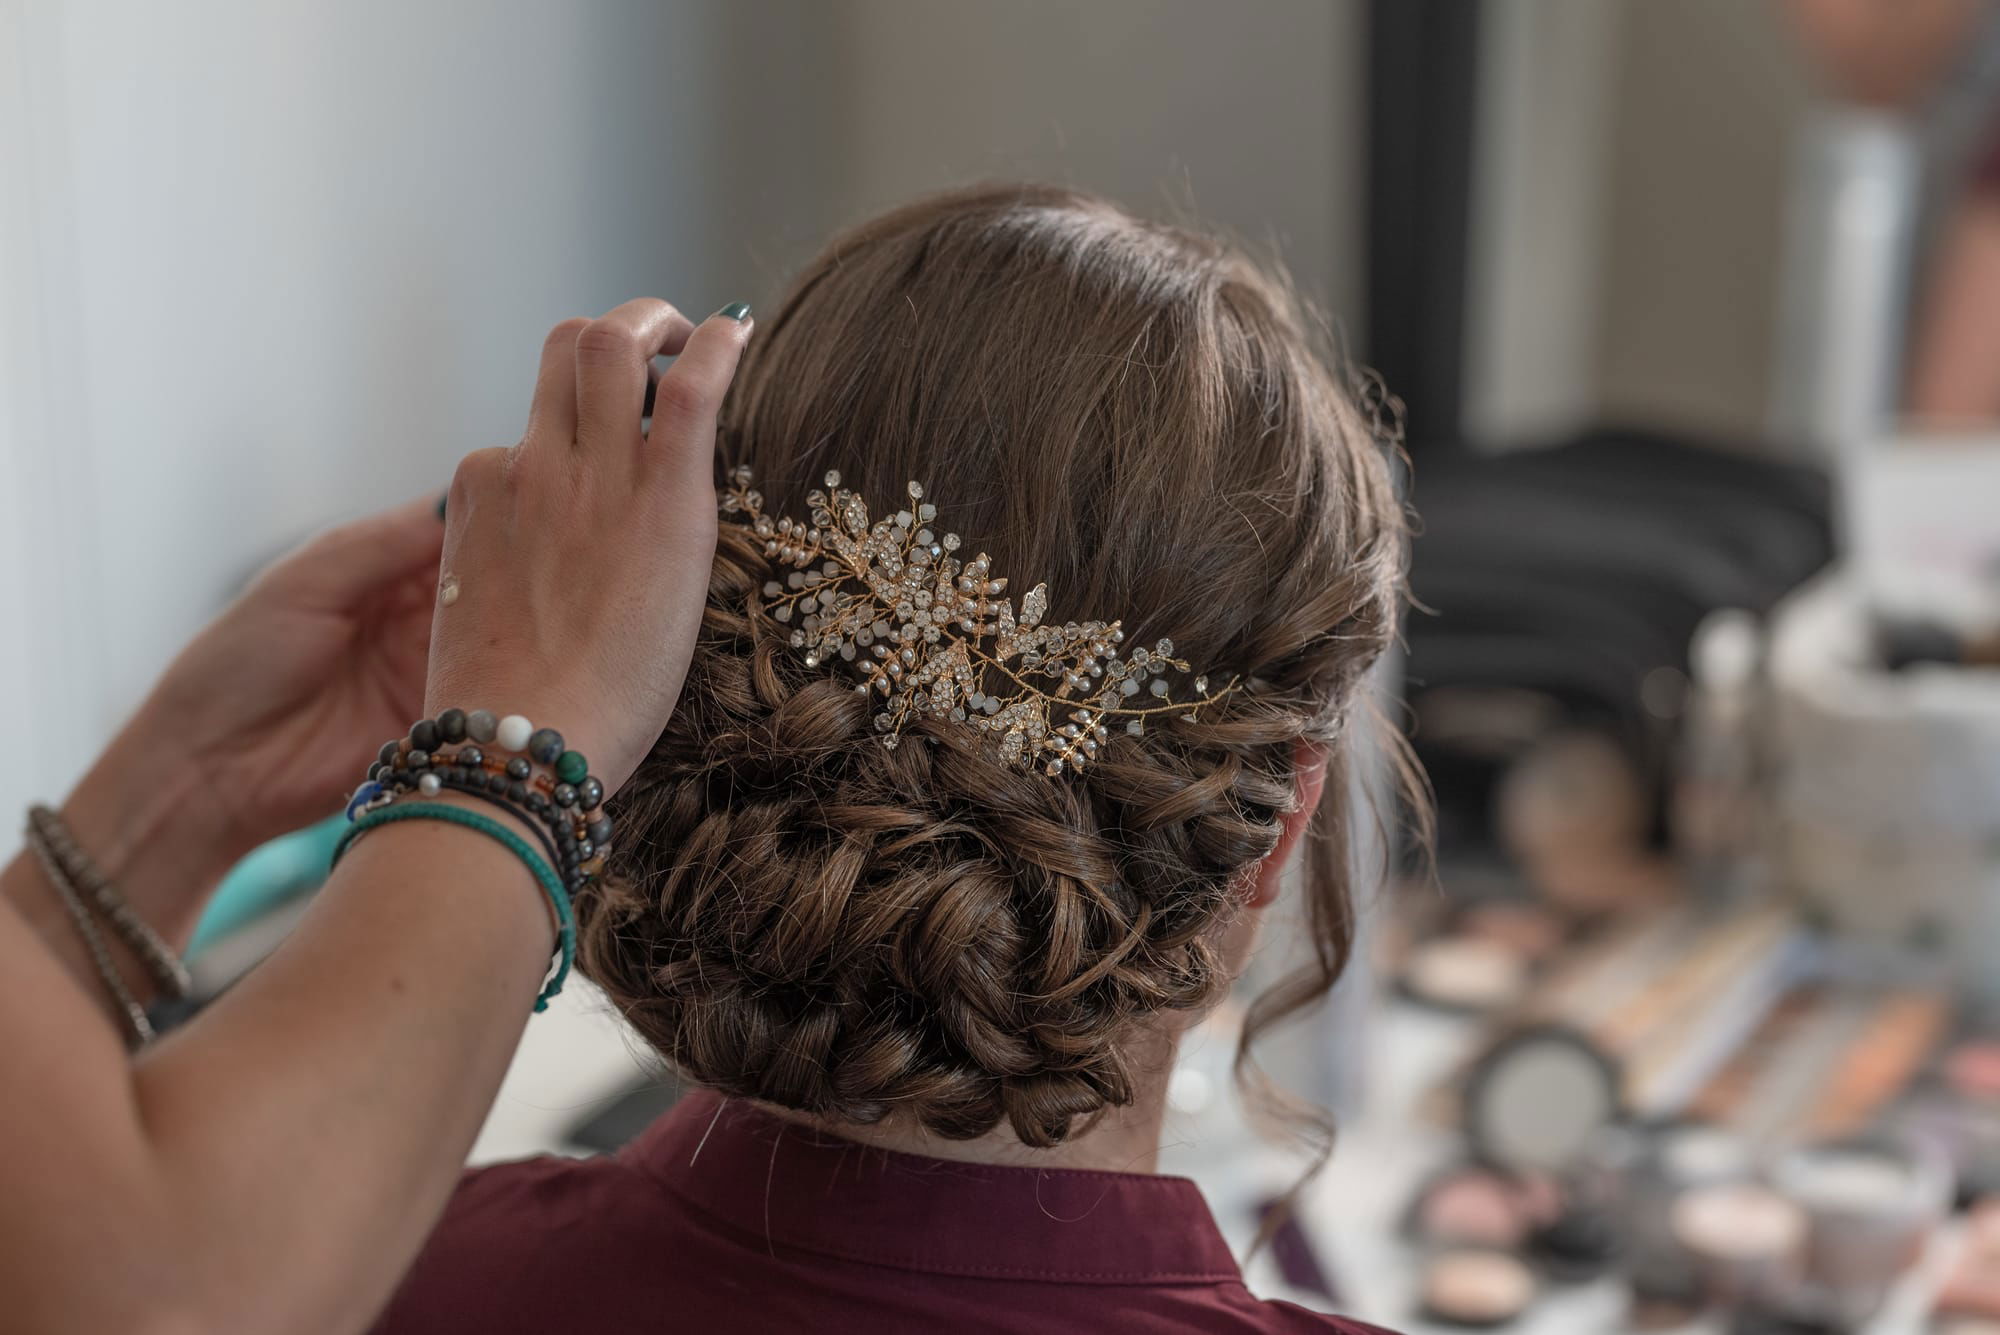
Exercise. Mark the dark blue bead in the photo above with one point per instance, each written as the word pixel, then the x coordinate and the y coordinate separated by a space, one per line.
pixel 387 754
pixel 545 746
pixel 585 849
pixel 496 783
pixel 564 795
pixel 451 725
pixel 423 735
pixel 419 759
pixel 470 756
pixel 519 768
pixel 539 803
pixel 517 791
pixel 590 793
pixel 600 830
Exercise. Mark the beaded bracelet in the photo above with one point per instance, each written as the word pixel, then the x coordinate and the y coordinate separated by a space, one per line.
pixel 544 875
pixel 370 793
pixel 52 834
pixel 555 832
pixel 529 767
pixel 137 1025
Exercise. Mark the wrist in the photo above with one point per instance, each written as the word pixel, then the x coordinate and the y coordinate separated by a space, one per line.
pixel 505 828
pixel 508 761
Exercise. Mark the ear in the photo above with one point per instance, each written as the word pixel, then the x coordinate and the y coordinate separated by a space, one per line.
pixel 1309 768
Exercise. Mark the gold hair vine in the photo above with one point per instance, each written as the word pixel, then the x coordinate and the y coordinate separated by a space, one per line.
pixel 933 637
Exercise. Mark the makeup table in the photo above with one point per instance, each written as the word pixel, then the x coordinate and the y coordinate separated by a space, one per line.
pixel 1387 1150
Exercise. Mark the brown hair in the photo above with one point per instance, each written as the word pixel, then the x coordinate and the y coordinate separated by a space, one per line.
pixel 1134 413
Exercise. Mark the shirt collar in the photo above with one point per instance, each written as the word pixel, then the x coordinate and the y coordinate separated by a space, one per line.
pixel 796 1186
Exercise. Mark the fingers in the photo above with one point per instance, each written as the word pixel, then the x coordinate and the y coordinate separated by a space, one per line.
pixel 355 559
pixel 552 415
pixel 613 355
pixel 689 396
pixel 481 473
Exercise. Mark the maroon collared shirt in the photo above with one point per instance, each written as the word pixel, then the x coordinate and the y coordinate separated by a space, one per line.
pixel 724 1218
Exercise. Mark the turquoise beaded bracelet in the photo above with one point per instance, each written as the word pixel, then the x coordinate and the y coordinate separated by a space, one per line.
pixel 551 884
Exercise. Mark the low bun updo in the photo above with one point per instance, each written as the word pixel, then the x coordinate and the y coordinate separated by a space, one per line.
pixel 1136 415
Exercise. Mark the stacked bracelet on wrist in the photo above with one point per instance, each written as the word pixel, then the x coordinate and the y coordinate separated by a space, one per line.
pixel 511 764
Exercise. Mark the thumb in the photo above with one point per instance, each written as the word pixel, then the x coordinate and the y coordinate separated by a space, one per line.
pixel 348 562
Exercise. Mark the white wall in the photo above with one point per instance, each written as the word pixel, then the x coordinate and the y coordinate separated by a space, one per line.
pixel 1248 116
pixel 269 265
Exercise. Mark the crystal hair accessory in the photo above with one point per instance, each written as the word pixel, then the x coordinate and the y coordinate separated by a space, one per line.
pixel 932 636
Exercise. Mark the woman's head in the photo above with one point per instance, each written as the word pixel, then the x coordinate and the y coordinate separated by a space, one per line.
pixel 1136 415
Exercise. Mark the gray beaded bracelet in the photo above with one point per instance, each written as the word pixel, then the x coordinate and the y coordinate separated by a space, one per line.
pixel 134 1015
pixel 84 879
pixel 528 769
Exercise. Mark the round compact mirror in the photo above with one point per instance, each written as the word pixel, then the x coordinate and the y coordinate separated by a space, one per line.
pixel 1538 1098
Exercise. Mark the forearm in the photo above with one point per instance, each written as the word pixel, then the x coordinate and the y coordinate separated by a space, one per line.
pixel 276 1163
pixel 155 833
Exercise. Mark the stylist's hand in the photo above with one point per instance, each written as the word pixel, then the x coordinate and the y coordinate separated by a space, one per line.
pixel 581 556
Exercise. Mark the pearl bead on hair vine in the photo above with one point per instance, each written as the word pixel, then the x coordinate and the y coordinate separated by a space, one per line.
pixel 932 637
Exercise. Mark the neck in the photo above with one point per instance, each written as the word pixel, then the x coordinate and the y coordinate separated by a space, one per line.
pixel 1122 1140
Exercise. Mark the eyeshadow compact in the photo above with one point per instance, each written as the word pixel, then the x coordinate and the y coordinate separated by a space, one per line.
pixel 1747 1240
pixel 1537 1099
pixel 1472 1205
pixel 1465 973
pixel 1476 1288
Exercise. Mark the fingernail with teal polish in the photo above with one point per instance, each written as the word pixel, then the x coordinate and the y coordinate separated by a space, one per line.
pixel 738 311
pixel 441 501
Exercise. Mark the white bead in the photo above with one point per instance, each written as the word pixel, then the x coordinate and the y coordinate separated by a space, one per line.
pixel 515 730
pixel 430 785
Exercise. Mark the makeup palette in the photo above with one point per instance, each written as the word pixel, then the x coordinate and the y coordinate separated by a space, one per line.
pixel 1824 1064
pixel 1662 1001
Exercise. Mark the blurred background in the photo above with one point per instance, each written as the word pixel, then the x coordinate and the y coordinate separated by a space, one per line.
pixel 1694 308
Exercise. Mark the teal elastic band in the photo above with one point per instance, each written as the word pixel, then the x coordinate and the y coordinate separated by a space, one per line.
pixel 551 884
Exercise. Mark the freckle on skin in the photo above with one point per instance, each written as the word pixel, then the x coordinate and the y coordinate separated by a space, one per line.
pixel 397 985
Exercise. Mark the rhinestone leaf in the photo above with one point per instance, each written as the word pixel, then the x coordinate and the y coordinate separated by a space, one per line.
pixel 1033 604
